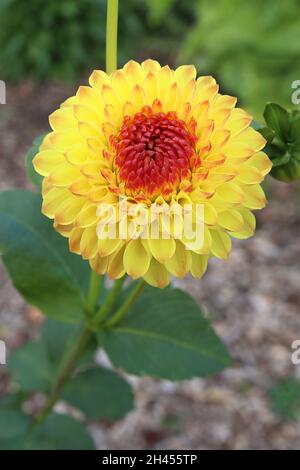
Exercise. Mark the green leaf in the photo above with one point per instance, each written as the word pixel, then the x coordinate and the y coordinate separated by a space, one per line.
pixel 31 368
pixel 14 427
pixel 100 393
pixel 295 129
pixel 60 432
pixel 267 133
pixel 285 398
pixel 278 119
pixel 38 260
pixel 59 338
pixel 165 335
pixel 33 176
pixel 281 160
pixel 35 365
pixel 12 401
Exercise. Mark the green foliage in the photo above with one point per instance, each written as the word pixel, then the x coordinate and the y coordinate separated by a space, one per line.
pixel 36 364
pixel 165 335
pixel 14 427
pixel 285 398
pixel 31 368
pixel 100 393
pixel 283 141
pixel 38 260
pixel 251 47
pixel 59 432
pixel 61 39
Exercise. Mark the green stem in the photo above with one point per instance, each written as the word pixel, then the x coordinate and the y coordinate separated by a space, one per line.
pixel 121 312
pixel 96 283
pixel 111 35
pixel 65 374
pixel 109 302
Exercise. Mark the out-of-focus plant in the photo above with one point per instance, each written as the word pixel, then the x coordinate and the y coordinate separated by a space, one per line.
pixel 285 398
pixel 252 47
pixel 62 38
pixel 282 133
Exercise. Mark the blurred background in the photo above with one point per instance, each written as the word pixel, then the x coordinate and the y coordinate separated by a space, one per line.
pixel 46 50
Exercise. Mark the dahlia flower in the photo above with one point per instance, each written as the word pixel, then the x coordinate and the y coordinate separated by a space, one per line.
pixel 153 137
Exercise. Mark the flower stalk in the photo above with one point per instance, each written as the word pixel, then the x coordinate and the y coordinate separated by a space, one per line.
pixel 111 35
pixel 65 374
pixel 109 302
pixel 96 284
pixel 121 312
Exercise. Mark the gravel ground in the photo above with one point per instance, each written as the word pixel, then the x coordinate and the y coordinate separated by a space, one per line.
pixel 253 299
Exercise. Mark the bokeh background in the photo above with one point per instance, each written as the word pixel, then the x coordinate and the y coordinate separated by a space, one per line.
pixel 46 50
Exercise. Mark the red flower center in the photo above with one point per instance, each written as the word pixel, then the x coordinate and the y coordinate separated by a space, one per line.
pixel 154 151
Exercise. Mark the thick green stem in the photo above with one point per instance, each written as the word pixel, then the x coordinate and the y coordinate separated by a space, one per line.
pixel 121 312
pixel 65 374
pixel 109 302
pixel 111 35
pixel 96 283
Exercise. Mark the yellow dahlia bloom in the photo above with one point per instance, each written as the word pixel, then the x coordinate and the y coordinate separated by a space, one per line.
pixel 150 135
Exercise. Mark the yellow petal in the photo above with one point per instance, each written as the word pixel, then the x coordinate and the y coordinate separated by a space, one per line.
pixel 98 79
pixel 136 259
pixel 150 65
pixel 88 115
pixel 52 200
pixel 157 275
pixel 115 264
pixel 90 97
pixel 87 217
pixel 251 139
pixel 64 140
pixel 231 193
pixel 238 121
pixel 120 84
pixel 107 246
pixel 150 88
pixel 69 209
pixel 80 187
pixel 198 265
pixel 133 72
pixel 180 262
pixel 47 160
pixel 262 162
pixel 231 220
pixel 64 175
pixel 64 230
pixel 138 97
pixel 62 119
pixel 254 197
pixel 162 249
pixel 99 264
pixel 79 155
pixel 74 240
pixel 221 244
pixel 210 214
pixel 249 175
pixel 184 74
pixel 89 243
pixel 249 224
